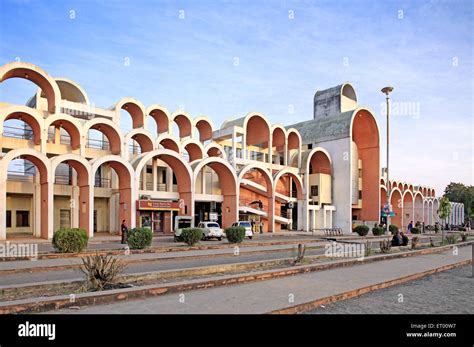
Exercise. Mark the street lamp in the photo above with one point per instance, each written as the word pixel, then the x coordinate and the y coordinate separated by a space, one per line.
pixel 387 91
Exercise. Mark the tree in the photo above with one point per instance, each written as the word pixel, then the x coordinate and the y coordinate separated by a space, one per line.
pixel 444 210
pixel 459 192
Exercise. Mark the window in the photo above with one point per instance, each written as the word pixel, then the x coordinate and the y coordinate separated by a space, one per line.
pixel 9 219
pixel 22 219
pixel 163 176
pixel 360 194
pixel 315 190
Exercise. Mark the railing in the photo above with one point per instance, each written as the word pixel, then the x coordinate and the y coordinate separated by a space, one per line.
pixel 63 139
pixel 134 149
pixel 283 214
pixel 18 133
pixel 63 179
pixel 19 176
pixel 161 187
pixel 102 182
pixel 328 231
pixel 98 144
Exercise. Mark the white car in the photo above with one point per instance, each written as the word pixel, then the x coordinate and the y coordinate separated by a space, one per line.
pixel 248 227
pixel 211 230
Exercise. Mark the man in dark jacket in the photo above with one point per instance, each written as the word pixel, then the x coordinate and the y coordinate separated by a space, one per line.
pixel 397 239
pixel 124 231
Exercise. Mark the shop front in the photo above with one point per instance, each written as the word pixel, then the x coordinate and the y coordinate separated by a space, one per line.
pixel 158 215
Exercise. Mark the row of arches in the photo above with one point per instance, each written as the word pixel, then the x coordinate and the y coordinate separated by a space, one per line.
pixel 79 134
pixel 126 186
pixel 405 186
pixel 409 206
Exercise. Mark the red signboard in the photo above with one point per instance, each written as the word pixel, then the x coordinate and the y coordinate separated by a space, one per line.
pixel 157 205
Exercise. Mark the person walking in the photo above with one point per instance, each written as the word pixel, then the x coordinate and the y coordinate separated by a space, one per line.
pixel 124 231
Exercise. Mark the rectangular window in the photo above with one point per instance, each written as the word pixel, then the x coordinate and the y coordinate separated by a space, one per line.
pixel 22 219
pixel 9 219
pixel 163 176
pixel 360 194
pixel 315 190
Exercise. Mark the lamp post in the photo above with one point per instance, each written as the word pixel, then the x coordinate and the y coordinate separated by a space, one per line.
pixel 387 91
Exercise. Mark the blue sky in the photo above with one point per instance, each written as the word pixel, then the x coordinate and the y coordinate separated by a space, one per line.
pixel 423 48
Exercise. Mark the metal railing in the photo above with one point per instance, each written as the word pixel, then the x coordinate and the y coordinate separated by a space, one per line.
pixel 17 133
pixel 102 182
pixel 134 149
pixel 19 176
pixel 63 180
pixel 98 144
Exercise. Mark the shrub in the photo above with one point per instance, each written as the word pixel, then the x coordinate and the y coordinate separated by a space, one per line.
pixel 393 229
pixel 191 235
pixel 463 237
pixel 101 271
pixel 377 231
pixel 451 239
pixel 436 228
pixel 415 230
pixel 362 230
pixel 139 238
pixel 235 234
pixel 70 240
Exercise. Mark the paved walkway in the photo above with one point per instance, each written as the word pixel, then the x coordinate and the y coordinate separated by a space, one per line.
pixel 448 292
pixel 265 296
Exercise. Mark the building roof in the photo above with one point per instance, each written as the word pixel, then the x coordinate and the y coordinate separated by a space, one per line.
pixel 325 129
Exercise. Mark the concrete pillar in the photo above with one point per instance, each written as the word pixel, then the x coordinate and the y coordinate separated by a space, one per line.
pixel 144 177
pixel 271 213
pixel 169 179
pixel 234 149
pixel 154 169
pixel 75 207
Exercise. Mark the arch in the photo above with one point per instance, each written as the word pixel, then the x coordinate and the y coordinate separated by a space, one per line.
pixel 84 176
pixel 68 123
pixel 246 195
pixel 194 148
pixel 168 141
pixel 278 137
pixel 257 129
pixel 365 134
pixel 293 139
pixel 181 169
pixel 71 91
pixel 424 191
pixel 126 186
pixel 215 150
pixel 144 138
pixel 410 187
pixel 135 109
pixel 319 161
pixel 29 115
pixel 161 116
pixel 418 205
pixel 229 187
pixel 184 122
pixel 348 91
pixel 407 209
pixel 109 129
pixel 38 76
pixel 435 210
pixel 400 186
pixel 205 128
pixel 299 182
pixel 42 164
pixel 396 203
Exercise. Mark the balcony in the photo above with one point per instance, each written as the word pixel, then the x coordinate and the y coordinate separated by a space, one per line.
pixel 98 144
pixel 20 176
pixel 100 182
pixel 18 133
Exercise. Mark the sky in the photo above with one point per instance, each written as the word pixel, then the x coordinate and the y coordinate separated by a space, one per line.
pixel 224 59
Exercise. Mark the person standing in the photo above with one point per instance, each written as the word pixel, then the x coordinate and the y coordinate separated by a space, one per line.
pixel 261 227
pixel 124 231
pixel 410 226
pixel 252 222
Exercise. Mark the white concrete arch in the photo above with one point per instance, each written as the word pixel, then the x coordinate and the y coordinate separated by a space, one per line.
pixel 184 122
pixel 161 116
pixel 135 109
pixel 194 148
pixel 205 128
pixel 71 124
pixel 29 115
pixel 36 75
pixel 216 150
pixel 143 137
pixel 169 137
pixel 109 129
pixel 67 87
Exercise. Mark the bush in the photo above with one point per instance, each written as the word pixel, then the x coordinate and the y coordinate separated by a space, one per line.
pixel 139 238
pixel 70 240
pixel 463 237
pixel 415 231
pixel 362 230
pixel 393 229
pixel 451 239
pixel 191 235
pixel 377 231
pixel 101 271
pixel 235 234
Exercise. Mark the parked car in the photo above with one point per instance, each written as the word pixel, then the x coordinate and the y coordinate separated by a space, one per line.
pixel 247 225
pixel 211 230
